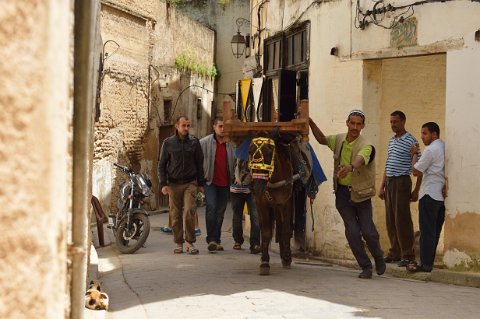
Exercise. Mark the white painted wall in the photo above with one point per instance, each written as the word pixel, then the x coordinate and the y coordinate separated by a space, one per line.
pixel 436 22
pixel 463 101
pixel 463 208
pixel 337 84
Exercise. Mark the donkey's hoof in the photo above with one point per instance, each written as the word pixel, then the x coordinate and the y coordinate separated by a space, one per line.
pixel 264 270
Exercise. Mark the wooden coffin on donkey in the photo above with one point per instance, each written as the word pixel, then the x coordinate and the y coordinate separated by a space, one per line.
pixel 271 153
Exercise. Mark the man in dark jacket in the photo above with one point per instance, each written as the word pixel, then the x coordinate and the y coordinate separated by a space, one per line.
pixel 180 170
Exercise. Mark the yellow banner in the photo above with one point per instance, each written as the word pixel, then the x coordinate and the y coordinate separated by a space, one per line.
pixel 245 87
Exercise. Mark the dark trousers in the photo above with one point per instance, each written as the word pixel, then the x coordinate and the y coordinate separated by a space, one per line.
pixel 431 216
pixel 399 218
pixel 238 201
pixel 357 218
pixel 216 198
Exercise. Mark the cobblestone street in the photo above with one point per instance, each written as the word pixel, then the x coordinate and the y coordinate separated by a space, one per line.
pixel 155 283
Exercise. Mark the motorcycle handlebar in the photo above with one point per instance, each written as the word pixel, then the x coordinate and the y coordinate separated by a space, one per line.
pixel 123 168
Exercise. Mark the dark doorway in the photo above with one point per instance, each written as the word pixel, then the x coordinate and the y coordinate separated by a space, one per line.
pixel 164 132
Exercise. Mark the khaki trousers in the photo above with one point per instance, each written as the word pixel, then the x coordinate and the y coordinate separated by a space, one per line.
pixel 182 203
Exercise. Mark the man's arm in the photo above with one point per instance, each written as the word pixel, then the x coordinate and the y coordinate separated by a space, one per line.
pixel 381 194
pixel 414 150
pixel 162 169
pixel 416 190
pixel 321 138
pixel 199 164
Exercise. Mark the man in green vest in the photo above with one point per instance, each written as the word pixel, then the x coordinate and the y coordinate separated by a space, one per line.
pixel 354 185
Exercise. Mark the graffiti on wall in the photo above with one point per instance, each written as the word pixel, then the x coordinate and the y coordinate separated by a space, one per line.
pixel 404 34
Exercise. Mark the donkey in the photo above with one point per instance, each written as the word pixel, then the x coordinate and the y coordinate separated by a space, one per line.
pixel 272 176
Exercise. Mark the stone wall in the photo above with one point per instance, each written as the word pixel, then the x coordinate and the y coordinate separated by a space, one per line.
pixel 220 16
pixel 142 40
pixel 35 98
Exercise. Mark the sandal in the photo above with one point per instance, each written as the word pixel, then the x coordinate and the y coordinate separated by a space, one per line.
pixel 237 246
pixel 178 250
pixel 192 250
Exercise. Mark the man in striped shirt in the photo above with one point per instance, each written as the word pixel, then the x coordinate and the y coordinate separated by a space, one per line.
pixel 396 190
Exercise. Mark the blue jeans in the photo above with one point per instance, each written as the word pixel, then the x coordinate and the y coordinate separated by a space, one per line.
pixel 238 201
pixel 216 198
pixel 431 215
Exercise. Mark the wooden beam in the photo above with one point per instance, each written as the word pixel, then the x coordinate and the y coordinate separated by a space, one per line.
pixel 236 130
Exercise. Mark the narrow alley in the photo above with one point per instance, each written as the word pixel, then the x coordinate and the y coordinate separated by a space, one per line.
pixel 155 283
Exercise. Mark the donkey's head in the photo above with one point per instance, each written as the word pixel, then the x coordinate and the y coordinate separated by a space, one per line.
pixel 261 162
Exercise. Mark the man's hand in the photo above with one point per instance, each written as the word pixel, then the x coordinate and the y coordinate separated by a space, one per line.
pixel 414 196
pixel 414 148
pixel 344 170
pixel 200 189
pixel 445 191
pixel 381 194
pixel 165 190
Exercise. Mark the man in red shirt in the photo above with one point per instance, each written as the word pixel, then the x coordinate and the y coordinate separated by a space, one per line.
pixel 218 165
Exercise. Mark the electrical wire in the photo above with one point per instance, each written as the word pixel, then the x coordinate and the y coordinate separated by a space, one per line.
pixel 105 55
pixel 365 18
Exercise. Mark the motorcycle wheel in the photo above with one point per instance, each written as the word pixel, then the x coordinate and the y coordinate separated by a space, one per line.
pixel 129 242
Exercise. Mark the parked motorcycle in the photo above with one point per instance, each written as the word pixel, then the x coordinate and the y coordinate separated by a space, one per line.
pixel 131 225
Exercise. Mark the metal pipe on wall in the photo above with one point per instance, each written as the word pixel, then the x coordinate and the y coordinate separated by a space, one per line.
pixel 84 30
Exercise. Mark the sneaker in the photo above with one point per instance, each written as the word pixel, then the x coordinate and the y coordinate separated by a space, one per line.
pixel 255 249
pixel 219 247
pixel 198 232
pixel 212 246
pixel 166 230
pixel 366 273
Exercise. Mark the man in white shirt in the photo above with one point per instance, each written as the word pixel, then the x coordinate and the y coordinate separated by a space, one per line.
pixel 432 194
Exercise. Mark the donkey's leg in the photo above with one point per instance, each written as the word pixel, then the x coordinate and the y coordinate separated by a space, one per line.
pixel 284 227
pixel 266 223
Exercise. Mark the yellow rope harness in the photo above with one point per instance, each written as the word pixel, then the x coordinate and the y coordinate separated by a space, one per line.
pixel 257 160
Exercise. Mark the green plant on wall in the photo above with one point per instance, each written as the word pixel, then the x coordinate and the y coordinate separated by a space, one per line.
pixel 175 3
pixel 189 61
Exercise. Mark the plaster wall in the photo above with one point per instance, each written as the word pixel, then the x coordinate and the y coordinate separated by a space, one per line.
pixel 221 16
pixel 335 88
pixel 437 22
pixel 34 98
pixel 229 66
pixel 439 87
pixel 415 86
pixel 462 248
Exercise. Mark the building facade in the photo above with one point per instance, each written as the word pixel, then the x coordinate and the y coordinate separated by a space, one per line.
pixel 381 56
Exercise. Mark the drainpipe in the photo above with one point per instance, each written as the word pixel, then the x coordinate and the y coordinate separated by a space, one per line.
pixel 82 137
